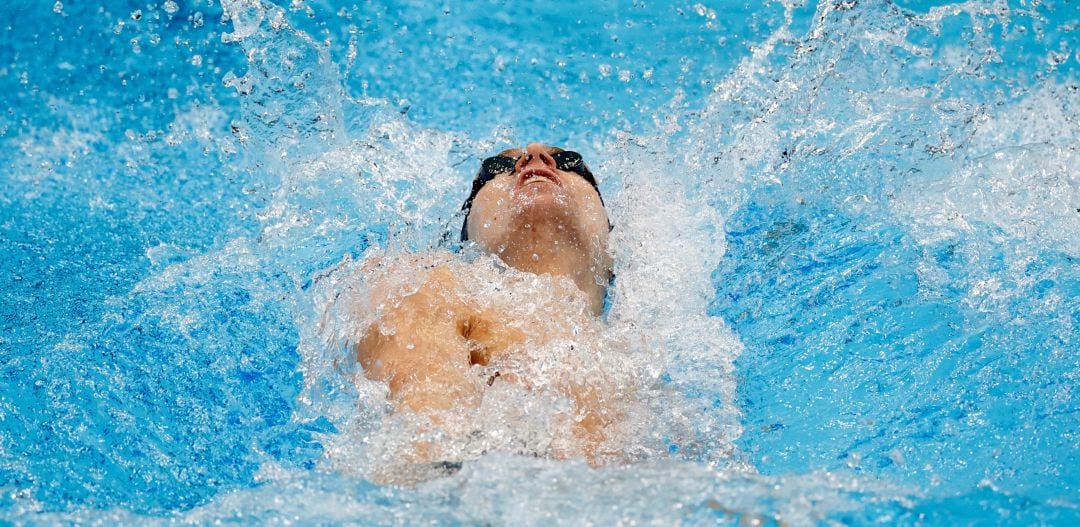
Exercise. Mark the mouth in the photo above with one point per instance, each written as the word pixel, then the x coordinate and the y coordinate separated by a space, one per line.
pixel 537 174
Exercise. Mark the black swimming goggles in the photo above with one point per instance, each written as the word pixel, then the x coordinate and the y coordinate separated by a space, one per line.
pixel 565 160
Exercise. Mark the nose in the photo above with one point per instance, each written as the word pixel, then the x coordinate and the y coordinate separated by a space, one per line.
pixel 535 153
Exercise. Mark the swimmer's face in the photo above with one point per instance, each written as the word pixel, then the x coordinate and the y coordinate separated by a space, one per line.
pixel 537 202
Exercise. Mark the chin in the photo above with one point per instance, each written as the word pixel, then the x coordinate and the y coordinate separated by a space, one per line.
pixel 542 196
pixel 544 208
pixel 538 190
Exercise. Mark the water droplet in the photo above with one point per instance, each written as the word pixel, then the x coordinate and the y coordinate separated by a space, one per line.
pixel 136 14
pixel 196 60
pixel 1056 59
pixel 58 7
pixel 535 257
pixel 170 7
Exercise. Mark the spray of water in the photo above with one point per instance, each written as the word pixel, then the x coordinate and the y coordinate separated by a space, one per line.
pixel 847 122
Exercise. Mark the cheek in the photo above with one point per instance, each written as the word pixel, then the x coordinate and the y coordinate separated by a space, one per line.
pixel 488 210
pixel 594 211
pixel 480 221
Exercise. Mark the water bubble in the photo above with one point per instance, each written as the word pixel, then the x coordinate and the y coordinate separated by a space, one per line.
pixel 197 19
pixel 277 21
pixel 136 14
pixel 170 7
pixel 196 60
pixel 58 7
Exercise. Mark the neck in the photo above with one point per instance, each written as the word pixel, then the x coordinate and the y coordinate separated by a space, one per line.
pixel 559 252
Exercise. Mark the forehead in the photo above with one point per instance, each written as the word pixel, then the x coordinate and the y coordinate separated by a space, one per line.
pixel 517 152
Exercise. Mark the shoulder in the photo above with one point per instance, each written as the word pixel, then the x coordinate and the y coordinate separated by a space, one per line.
pixel 400 280
pixel 378 260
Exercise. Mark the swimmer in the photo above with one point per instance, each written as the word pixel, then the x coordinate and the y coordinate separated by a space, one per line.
pixel 439 345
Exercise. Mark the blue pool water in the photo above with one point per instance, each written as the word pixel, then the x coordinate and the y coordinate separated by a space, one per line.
pixel 847 229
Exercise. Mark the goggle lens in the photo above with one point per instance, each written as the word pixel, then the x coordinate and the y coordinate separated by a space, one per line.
pixel 499 165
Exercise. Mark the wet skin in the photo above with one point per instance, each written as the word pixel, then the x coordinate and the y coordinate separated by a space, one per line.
pixel 537 219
